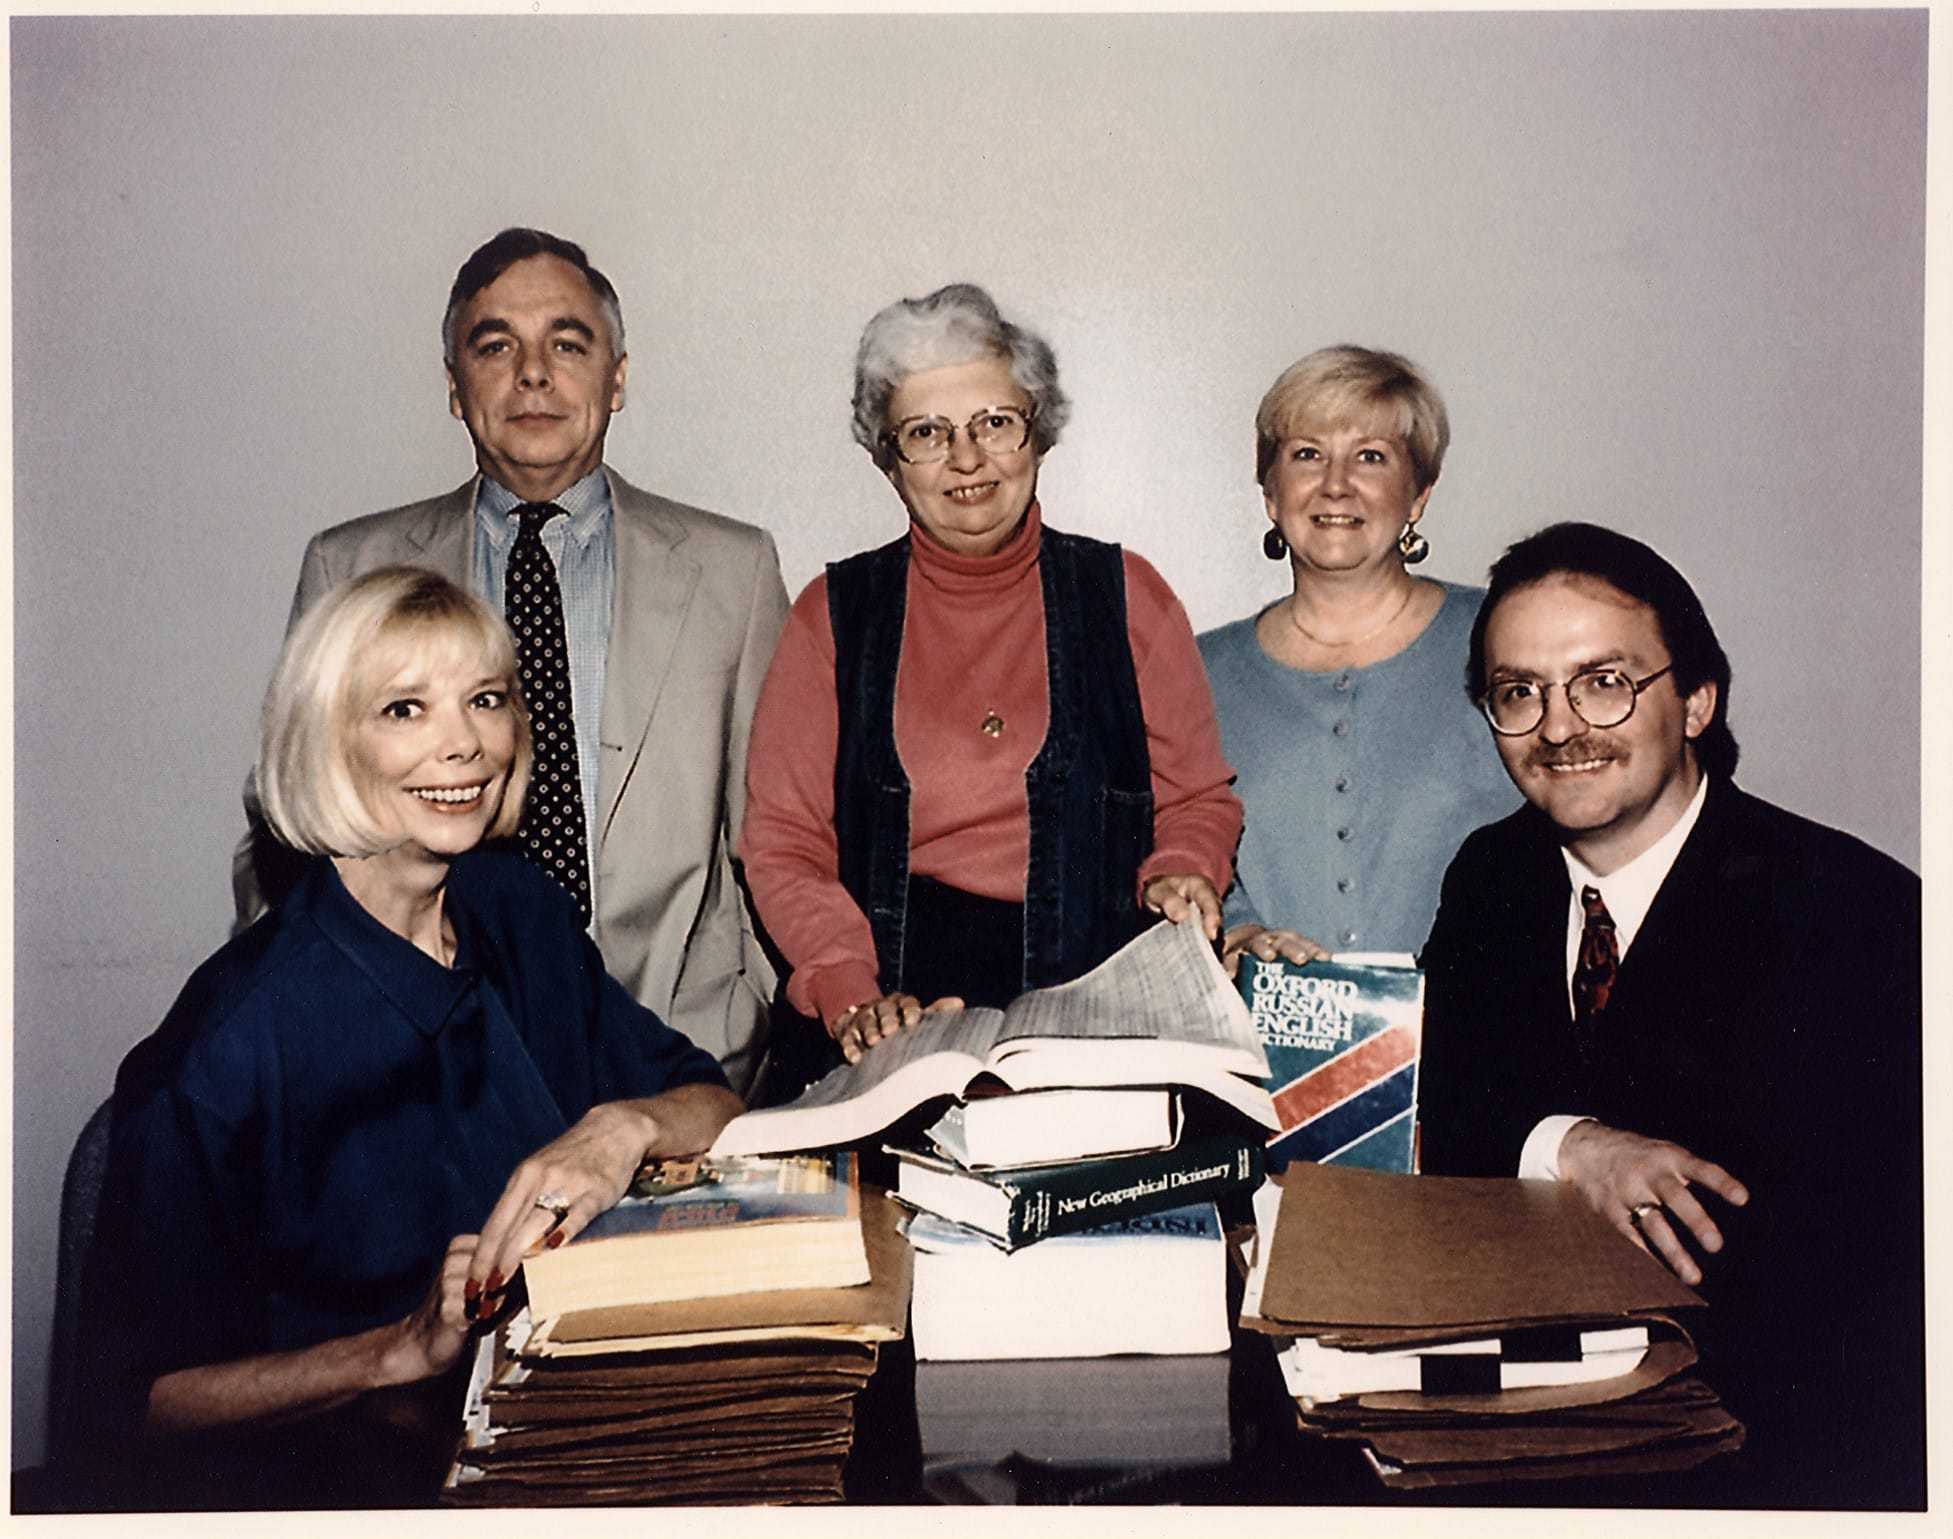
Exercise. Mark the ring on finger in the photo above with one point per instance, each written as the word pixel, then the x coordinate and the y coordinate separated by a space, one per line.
pixel 556 1203
pixel 1641 1210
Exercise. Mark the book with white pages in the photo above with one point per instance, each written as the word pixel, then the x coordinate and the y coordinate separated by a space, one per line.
pixel 1046 1127
pixel 1154 1284
pixel 1157 1012
pixel 727 1227
pixel 1026 1204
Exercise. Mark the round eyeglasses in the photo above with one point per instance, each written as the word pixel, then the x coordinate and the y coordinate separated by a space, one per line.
pixel 1601 697
pixel 927 440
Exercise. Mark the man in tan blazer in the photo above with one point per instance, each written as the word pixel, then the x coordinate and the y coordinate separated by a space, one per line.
pixel 671 614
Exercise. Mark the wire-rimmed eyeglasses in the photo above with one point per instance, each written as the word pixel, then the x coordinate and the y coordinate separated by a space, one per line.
pixel 995 430
pixel 1601 697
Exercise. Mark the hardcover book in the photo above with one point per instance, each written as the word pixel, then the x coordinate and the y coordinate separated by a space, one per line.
pixel 1015 1208
pixel 731 1322
pixel 1044 1127
pixel 1153 1284
pixel 1342 1039
pixel 701 1229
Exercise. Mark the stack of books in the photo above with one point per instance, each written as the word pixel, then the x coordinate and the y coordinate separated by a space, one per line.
pixel 1159 1011
pixel 1090 1130
pixel 1467 1331
pixel 702 1345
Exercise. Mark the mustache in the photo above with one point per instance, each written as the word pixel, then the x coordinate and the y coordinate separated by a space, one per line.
pixel 1580 750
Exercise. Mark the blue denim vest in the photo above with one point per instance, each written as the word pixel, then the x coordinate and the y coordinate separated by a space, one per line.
pixel 1089 790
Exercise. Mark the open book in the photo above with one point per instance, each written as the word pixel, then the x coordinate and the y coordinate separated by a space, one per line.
pixel 1159 1011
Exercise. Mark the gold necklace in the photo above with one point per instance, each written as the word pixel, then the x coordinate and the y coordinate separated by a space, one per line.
pixel 1354 641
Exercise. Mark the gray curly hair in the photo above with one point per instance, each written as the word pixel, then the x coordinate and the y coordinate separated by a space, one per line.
pixel 959 323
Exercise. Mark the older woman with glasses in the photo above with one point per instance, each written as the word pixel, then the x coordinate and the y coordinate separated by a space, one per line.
pixel 1362 762
pixel 985 753
pixel 364 1111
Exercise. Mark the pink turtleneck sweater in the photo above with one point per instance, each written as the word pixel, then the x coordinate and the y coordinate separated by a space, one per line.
pixel 972 647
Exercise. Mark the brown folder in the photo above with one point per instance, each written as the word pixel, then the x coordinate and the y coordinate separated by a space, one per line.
pixel 701 1370
pixel 1680 1453
pixel 1382 1253
pixel 1360 1259
pixel 651 1437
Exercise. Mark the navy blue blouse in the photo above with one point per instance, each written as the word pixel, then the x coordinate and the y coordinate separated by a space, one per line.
pixel 326 1106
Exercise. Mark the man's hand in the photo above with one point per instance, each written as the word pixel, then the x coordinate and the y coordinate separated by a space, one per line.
pixel 1184 896
pixel 861 1026
pixel 1268 944
pixel 1641 1186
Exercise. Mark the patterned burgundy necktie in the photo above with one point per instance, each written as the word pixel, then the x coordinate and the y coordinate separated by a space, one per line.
pixel 1600 959
pixel 552 830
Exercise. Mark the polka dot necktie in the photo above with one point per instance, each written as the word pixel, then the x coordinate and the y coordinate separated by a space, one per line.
pixel 1600 959
pixel 552 831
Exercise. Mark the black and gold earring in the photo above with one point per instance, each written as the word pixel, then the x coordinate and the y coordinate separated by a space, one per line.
pixel 1273 546
pixel 1412 545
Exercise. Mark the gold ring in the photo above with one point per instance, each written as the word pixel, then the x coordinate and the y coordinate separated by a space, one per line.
pixel 1642 1209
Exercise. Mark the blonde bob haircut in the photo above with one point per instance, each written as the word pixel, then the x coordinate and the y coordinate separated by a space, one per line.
pixel 1347 386
pixel 335 664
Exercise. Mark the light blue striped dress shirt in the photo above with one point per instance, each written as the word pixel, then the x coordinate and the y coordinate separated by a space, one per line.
pixel 584 549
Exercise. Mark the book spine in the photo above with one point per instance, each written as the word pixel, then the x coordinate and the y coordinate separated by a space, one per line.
pixel 1063 1199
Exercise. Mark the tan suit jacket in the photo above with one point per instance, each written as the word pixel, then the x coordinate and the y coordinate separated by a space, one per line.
pixel 697 606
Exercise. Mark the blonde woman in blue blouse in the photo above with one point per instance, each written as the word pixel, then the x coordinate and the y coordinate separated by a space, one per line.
pixel 1362 763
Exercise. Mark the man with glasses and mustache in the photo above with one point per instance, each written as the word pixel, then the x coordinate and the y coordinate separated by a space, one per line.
pixel 1700 1009
pixel 643 628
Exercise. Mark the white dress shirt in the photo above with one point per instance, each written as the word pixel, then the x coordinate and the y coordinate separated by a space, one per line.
pixel 1628 893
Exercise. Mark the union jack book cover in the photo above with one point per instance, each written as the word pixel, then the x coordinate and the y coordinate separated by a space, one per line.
pixel 1342 1040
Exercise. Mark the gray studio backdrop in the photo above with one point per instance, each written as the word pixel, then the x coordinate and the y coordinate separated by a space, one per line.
pixel 1667 269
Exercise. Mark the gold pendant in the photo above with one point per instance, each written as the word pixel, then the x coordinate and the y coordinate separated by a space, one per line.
pixel 993 725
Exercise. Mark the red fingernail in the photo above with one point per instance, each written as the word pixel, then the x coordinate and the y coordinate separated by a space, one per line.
pixel 553 1239
pixel 494 1283
pixel 471 1289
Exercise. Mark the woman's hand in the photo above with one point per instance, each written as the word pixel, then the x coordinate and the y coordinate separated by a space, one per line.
pixel 431 1338
pixel 1183 896
pixel 582 1173
pixel 278 1386
pixel 1268 944
pixel 861 1026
